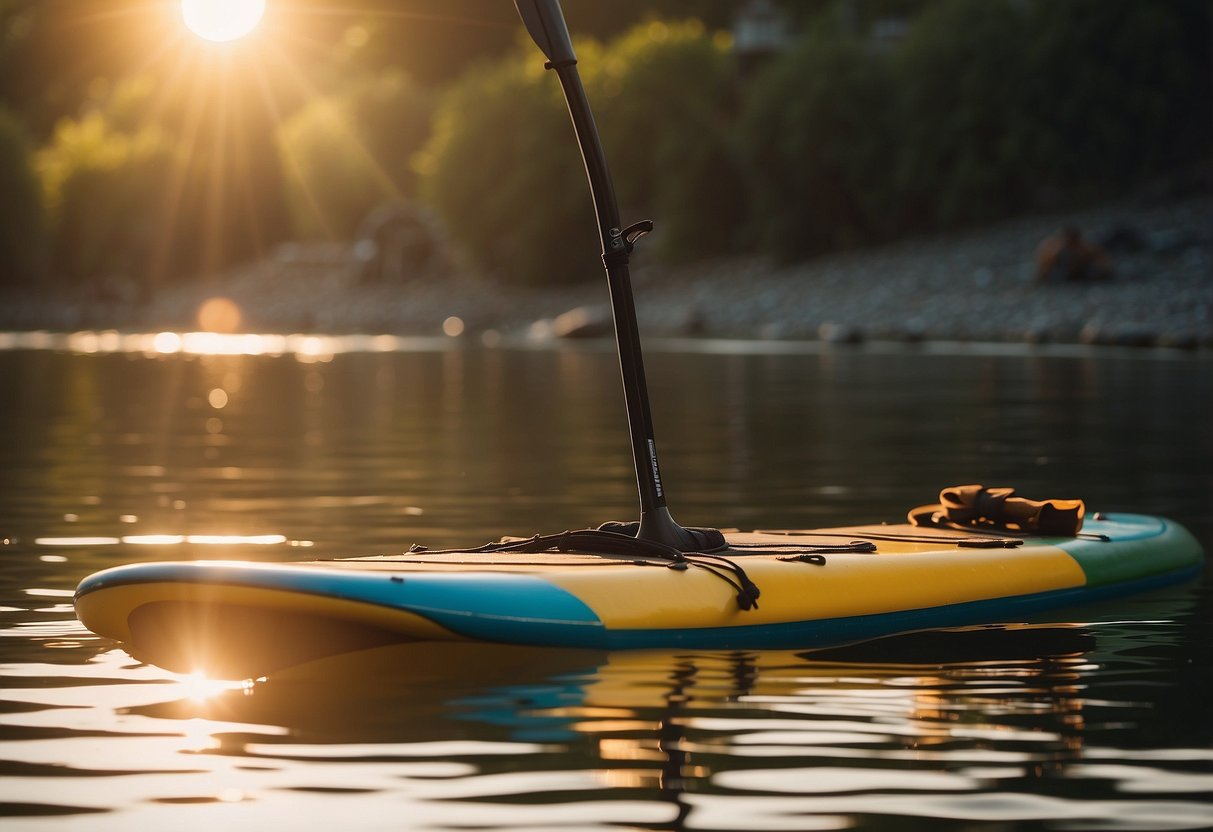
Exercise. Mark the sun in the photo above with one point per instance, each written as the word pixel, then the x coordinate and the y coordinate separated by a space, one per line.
pixel 222 20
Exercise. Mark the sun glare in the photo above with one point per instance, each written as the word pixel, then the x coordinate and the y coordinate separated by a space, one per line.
pixel 222 20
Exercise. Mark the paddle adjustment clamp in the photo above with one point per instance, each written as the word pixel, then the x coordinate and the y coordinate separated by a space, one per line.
pixel 623 241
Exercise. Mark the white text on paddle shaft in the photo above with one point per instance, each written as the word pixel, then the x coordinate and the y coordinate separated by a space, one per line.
pixel 653 461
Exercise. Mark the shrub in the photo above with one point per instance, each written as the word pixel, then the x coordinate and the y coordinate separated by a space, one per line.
pixel 965 122
pixel 145 186
pixel 987 108
pixel 503 172
pixel 346 153
pixel 101 190
pixel 22 222
pixel 1122 87
pixel 667 97
pixel 816 125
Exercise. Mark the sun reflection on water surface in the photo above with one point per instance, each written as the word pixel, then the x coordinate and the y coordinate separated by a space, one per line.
pixel 304 347
pixel 175 540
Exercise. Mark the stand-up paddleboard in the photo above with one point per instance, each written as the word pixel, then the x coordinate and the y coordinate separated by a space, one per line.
pixel 765 590
pixel 980 556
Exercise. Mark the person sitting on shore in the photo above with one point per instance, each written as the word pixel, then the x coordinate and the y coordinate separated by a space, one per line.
pixel 1065 257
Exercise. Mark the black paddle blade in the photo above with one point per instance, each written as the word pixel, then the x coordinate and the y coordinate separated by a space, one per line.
pixel 544 19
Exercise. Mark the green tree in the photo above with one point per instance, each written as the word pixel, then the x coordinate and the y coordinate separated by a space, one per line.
pixel 667 98
pixel 153 189
pixel 965 122
pixel 502 171
pixel 1121 90
pixel 22 221
pixel 345 153
pixel 101 190
pixel 817 126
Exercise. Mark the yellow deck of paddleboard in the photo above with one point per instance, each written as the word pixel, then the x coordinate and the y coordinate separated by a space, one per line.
pixel 623 596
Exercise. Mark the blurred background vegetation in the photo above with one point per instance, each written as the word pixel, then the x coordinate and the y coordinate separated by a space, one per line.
pixel 130 149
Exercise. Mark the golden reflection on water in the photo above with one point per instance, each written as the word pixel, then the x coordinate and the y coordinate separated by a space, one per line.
pixel 197 687
pixel 642 693
pixel 827 733
pixel 304 347
pixel 174 540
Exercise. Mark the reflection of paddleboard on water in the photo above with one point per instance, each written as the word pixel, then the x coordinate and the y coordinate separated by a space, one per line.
pixel 539 726
pixel 408 691
pixel 404 691
pixel 981 555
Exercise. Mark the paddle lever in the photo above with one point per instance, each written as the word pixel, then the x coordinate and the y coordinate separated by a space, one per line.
pixel 635 231
pixel 621 243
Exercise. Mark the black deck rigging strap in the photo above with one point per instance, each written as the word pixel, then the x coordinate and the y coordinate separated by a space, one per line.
pixel 612 539
pixel 609 541
pixel 977 507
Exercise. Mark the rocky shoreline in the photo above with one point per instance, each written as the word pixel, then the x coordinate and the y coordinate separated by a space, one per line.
pixel 976 286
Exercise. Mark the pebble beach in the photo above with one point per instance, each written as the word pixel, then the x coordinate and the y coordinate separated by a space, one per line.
pixel 978 286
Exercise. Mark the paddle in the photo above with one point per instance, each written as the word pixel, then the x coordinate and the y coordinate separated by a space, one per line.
pixel 544 19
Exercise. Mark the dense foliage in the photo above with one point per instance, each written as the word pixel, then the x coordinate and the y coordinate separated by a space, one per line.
pixel 101 186
pixel 1120 90
pixel 964 119
pixel 665 94
pixel 22 234
pixel 344 154
pixel 662 96
pixel 985 109
pixel 138 191
pixel 974 110
pixel 503 172
pixel 819 129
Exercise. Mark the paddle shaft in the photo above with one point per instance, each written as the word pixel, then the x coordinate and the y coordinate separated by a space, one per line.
pixel 544 20
pixel 619 282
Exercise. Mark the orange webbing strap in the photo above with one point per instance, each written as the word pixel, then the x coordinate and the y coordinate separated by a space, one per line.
pixel 978 507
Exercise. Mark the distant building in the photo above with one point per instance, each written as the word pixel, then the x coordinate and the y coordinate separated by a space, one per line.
pixel 887 32
pixel 760 30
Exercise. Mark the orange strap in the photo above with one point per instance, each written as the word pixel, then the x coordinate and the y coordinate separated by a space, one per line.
pixel 978 507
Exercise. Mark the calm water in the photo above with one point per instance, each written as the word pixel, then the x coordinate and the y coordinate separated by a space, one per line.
pixel 1093 718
